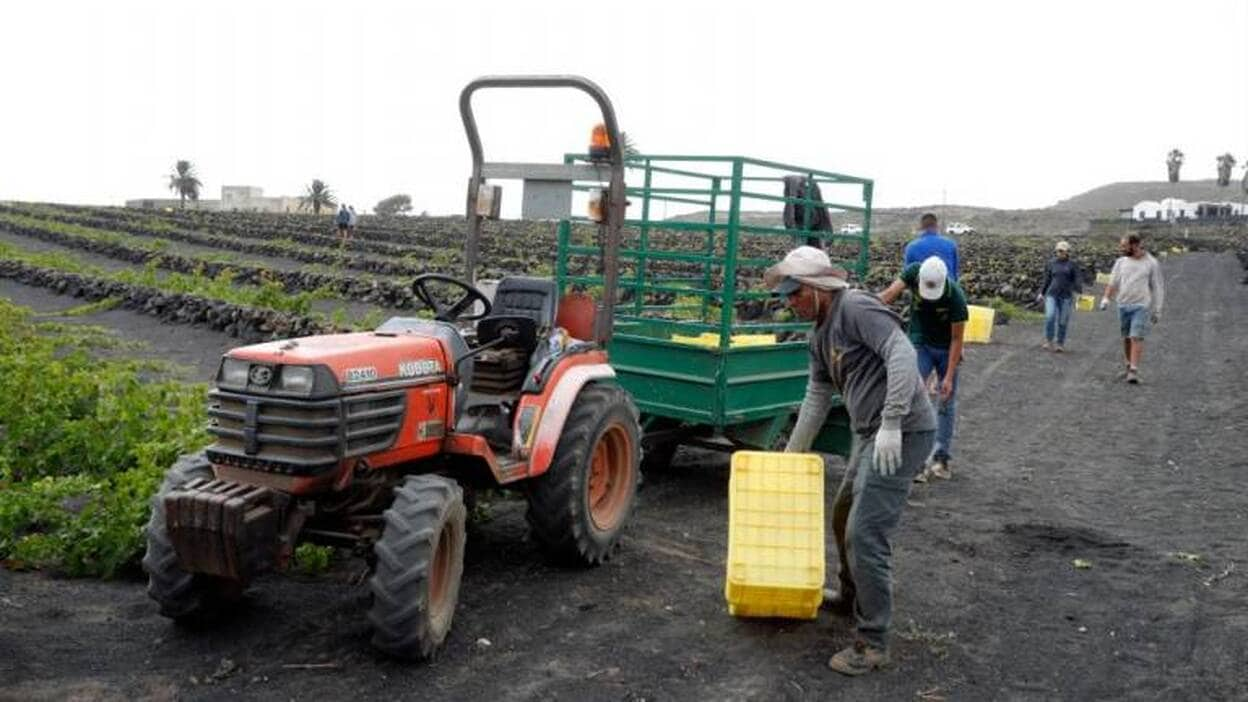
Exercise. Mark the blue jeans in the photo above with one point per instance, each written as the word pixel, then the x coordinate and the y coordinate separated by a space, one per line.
pixel 1057 314
pixel 933 357
pixel 865 515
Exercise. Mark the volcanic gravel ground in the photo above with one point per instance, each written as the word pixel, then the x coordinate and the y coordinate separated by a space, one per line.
pixel 1056 460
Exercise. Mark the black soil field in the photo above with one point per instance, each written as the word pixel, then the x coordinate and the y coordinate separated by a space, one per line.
pixel 1056 460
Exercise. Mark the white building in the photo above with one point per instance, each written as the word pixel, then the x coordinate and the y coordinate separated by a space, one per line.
pixel 1173 209
pixel 234 198
pixel 1146 209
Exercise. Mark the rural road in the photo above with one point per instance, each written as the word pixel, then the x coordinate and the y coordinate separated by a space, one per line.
pixel 1056 460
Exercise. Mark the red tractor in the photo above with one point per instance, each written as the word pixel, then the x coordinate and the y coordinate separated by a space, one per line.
pixel 370 439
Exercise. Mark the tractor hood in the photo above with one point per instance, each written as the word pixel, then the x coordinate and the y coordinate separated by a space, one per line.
pixel 359 360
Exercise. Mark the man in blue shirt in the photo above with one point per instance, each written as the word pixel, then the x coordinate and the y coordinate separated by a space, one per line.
pixel 930 243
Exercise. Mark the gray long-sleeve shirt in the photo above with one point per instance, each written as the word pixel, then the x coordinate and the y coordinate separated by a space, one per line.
pixel 861 352
pixel 1138 282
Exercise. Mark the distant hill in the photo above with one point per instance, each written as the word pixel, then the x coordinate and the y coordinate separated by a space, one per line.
pixel 904 221
pixel 1108 199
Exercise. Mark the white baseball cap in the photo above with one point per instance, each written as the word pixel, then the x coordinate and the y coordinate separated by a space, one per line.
pixel 805 264
pixel 1062 246
pixel 932 276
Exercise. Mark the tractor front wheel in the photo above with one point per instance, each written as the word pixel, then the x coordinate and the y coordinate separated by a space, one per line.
pixel 184 597
pixel 578 507
pixel 420 559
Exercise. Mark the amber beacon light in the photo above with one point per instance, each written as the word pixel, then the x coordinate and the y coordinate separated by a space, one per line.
pixel 599 143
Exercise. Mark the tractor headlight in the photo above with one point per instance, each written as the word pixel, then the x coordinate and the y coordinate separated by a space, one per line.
pixel 233 373
pixel 297 379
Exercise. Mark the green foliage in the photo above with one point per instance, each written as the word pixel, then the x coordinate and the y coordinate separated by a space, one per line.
pixel 311 559
pixel 268 294
pixel 90 308
pixel 371 320
pixel 393 205
pixel 1013 312
pixel 86 443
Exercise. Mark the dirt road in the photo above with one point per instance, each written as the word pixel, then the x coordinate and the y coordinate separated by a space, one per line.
pixel 1056 460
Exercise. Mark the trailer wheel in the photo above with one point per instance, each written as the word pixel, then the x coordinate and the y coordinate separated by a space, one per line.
pixel 184 597
pixel 420 560
pixel 578 507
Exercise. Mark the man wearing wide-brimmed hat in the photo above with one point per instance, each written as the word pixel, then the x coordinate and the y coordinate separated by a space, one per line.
pixel 857 349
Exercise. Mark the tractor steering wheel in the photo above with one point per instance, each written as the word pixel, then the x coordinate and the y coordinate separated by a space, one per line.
pixel 455 312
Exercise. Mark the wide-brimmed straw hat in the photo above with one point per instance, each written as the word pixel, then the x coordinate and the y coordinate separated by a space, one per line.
pixel 805 265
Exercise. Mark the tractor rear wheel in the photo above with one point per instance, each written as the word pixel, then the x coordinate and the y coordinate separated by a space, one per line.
pixel 420 560
pixel 185 597
pixel 578 507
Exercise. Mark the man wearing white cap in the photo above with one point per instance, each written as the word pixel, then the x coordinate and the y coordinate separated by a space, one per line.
pixel 937 320
pixel 858 349
pixel 1061 283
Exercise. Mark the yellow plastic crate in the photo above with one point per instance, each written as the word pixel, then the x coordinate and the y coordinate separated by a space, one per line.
pixel 1085 303
pixel 775 535
pixel 1102 278
pixel 710 340
pixel 979 326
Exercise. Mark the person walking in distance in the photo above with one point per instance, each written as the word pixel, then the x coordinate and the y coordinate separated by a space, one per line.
pixel 343 220
pixel 1136 284
pixel 938 316
pixel 857 349
pixel 352 221
pixel 1062 282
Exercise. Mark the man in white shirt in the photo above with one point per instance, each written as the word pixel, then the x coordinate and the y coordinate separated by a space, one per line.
pixel 1136 284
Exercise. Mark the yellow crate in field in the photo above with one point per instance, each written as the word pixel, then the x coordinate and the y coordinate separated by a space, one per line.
pixel 979 327
pixel 775 535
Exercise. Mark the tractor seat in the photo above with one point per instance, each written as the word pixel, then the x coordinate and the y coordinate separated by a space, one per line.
pixel 535 298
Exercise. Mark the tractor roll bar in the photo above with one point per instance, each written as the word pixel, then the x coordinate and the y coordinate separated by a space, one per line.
pixel 615 195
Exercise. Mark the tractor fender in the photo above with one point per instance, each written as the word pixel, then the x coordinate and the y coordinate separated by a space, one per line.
pixel 549 411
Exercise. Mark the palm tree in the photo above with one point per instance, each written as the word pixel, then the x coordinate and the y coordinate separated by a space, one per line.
pixel 317 196
pixel 1225 163
pixel 1174 161
pixel 629 146
pixel 183 182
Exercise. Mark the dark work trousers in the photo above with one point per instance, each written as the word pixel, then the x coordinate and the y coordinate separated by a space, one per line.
pixel 865 516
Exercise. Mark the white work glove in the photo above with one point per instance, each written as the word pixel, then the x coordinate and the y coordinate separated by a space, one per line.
pixel 1104 303
pixel 887 458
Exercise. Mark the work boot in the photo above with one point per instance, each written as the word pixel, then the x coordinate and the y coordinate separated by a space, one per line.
pixel 940 469
pixel 836 604
pixel 858 659
pixel 1133 376
pixel 1046 345
pixel 1058 348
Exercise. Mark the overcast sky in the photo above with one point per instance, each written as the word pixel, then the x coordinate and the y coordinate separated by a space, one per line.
pixel 1002 104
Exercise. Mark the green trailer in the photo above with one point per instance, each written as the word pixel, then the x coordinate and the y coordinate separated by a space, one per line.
pixel 672 251
pixel 697 340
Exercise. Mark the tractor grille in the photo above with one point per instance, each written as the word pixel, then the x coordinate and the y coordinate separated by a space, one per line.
pixel 301 437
